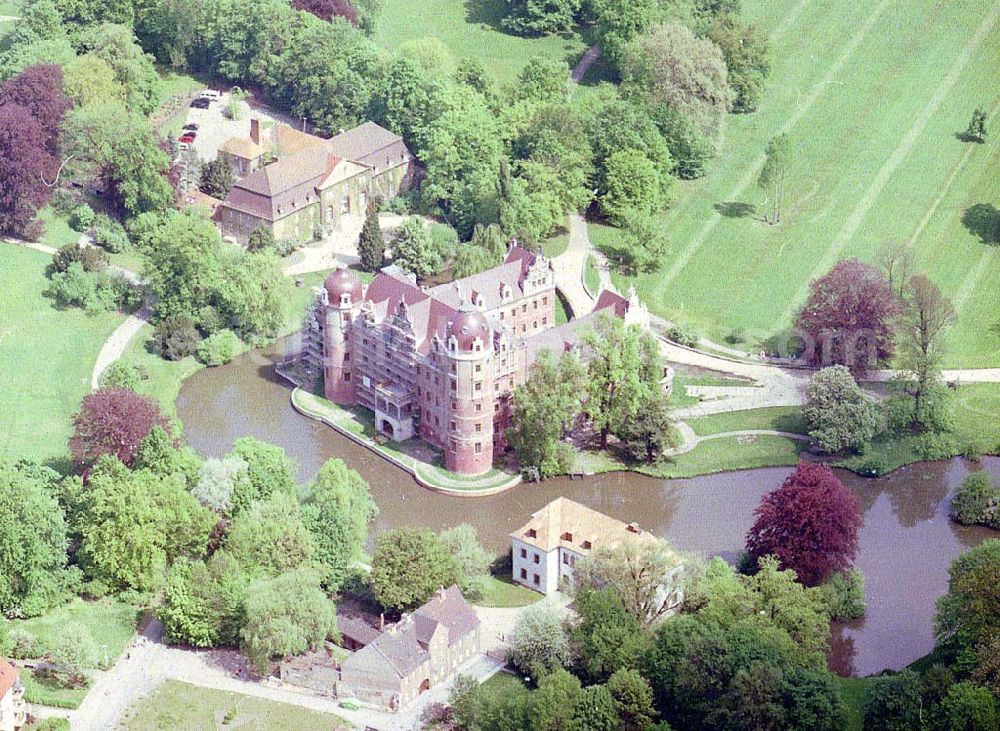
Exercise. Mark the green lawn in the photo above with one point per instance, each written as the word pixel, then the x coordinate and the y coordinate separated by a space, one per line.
pixel 48 355
pixel 111 623
pixel 470 29
pixel 777 418
pixel 591 277
pixel 57 229
pixel 717 455
pixel 176 705
pixel 854 693
pixel 44 693
pixel 503 592
pixel 872 104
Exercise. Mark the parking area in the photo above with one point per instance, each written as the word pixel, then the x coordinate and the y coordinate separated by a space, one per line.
pixel 214 127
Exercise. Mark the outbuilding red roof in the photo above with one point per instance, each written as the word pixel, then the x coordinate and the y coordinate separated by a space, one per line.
pixel 8 677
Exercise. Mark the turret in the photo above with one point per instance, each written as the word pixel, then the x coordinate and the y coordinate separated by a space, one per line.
pixel 343 297
pixel 469 349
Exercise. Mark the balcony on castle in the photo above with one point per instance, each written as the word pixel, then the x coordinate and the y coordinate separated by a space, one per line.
pixel 394 411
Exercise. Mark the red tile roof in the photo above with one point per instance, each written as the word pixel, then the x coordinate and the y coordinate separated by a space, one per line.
pixel 8 677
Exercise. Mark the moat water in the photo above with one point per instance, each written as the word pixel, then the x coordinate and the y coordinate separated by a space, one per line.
pixel 906 544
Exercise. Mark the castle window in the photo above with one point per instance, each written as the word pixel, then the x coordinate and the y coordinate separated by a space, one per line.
pixel 524 554
pixel 479 385
pixel 511 383
pixel 479 407
pixel 347 357
pixel 479 367
pixel 545 301
pixel 454 404
pixel 347 377
pixel 479 448
pixel 496 407
pixel 536 580
pixel 451 425
pixel 479 426
pixel 524 307
pixel 524 327
pixel 536 558
pixel 524 573
pixel 454 368
pixel 545 320
pixel 534 325
pixel 534 304
pixel 453 386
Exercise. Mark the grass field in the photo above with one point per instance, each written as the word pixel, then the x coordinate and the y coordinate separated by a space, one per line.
pixel 111 623
pixel 874 95
pixel 777 418
pixel 47 358
pixel 503 592
pixel 176 705
pixel 471 29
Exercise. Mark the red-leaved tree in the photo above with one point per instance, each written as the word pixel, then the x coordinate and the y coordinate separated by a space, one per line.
pixel 810 524
pixel 39 90
pixel 328 9
pixel 112 421
pixel 23 162
pixel 849 318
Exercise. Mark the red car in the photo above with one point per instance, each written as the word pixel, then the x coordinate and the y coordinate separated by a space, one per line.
pixel 188 137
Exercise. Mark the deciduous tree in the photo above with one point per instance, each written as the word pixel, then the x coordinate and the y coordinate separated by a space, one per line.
pixel 270 538
pixel 337 509
pixel 112 421
pixel 647 575
pixel 968 616
pixel 33 536
pixel 539 644
pixel 285 616
pixel 23 163
pixel 39 89
pixel 927 314
pixel 328 9
pixel 810 524
pixel 409 565
pixel 849 318
pixel 269 472
pixel 772 178
pixel 838 414
pixel 217 177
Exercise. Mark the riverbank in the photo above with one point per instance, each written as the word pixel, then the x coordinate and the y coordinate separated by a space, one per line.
pixel 360 428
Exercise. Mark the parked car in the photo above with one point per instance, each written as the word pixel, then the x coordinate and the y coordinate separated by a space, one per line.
pixel 351 704
pixel 200 103
pixel 191 127
pixel 211 95
pixel 187 138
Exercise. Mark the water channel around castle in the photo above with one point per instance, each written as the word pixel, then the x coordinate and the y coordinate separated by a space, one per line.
pixel 906 544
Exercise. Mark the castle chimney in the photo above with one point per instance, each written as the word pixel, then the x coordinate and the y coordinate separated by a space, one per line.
pixel 255 130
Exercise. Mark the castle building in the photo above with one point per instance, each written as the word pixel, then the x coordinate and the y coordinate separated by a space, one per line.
pixel 441 363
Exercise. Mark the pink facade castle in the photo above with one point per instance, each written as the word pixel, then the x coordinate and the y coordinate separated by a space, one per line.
pixel 440 363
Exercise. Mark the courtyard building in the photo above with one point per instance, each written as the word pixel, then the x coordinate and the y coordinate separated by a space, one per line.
pixel 304 187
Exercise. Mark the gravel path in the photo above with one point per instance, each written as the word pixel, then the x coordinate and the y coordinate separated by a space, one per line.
pixel 116 343
pixel 583 65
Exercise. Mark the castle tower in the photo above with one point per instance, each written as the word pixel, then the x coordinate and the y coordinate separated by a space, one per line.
pixel 343 295
pixel 469 348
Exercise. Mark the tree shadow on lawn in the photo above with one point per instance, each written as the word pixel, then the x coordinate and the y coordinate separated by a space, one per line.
pixel 736 209
pixel 983 220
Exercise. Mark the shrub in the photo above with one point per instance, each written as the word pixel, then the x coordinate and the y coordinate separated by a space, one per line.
pixel 63 202
pixel 285 246
pixel 682 335
pixel 977 501
pixel 82 217
pixel 90 258
pixel 121 374
pixel 844 594
pixel 23 644
pixel 973 451
pixel 34 231
pixel 110 236
pixel 398 206
pixel 74 651
pixel 218 349
pixel 261 239
pixel 176 338
pixel 934 446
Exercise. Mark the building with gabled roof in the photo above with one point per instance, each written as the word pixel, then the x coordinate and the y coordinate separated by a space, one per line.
pixel 546 549
pixel 413 655
pixel 13 711
pixel 301 187
pixel 441 363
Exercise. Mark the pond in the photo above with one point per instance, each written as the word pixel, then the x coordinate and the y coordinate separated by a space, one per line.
pixel 906 544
